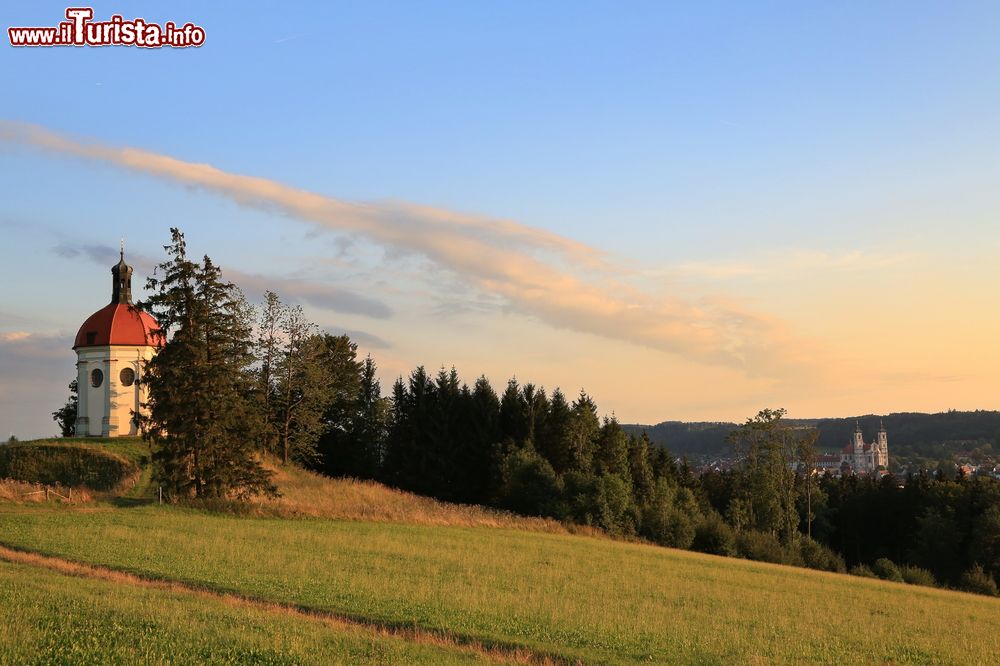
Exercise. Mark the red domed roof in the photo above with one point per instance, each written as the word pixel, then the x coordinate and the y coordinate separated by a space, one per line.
pixel 119 324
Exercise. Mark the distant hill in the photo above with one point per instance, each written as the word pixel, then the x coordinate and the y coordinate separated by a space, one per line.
pixel 912 435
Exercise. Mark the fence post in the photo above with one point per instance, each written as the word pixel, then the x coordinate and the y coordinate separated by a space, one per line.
pixel 160 489
pixel 71 494
pixel 46 493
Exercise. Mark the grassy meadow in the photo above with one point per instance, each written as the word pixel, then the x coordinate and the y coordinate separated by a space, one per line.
pixel 48 618
pixel 383 568
pixel 595 600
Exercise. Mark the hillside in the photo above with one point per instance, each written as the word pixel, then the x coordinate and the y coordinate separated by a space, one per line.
pixel 305 494
pixel 341 571
pixel 95 464
pixel 911 435
pixel 576 597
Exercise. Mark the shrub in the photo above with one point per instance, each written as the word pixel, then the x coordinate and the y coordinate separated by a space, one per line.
pixel 712 535
pixel 613 502
pixel 65 465
pixel 886 569
pixel 671 516
pixel 979 581
pixel 862 570
pixel 917 576
pixel 530 486
pixel 765 547
pixel 817 556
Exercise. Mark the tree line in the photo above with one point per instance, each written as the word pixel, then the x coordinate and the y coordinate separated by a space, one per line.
pixel 916 440
pixel 234 381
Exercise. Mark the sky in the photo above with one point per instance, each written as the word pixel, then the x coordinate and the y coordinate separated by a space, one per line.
pixel 693 211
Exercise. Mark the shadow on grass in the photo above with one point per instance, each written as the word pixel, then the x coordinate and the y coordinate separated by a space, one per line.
pixel 131 502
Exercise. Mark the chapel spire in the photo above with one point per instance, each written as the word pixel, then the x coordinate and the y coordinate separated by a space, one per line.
pixel 121 284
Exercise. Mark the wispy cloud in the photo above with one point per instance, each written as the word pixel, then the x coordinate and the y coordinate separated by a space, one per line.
pixel 558 280
pixel 318 294
pixel 784 264
pixel 364 339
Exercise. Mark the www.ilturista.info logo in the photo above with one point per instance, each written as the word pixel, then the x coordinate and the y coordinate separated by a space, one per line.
pixel 80 30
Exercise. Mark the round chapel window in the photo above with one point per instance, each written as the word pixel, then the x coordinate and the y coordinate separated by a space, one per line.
pixel 96 378
pixel 127 377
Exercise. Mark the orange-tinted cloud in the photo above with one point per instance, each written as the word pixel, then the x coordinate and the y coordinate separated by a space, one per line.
pixel 560 281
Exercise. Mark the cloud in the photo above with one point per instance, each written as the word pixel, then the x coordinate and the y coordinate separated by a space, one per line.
pixel 337 299
pixel 364 339
pixel 557 280
pixel 100 254
pixel 316 294
pixel 785 264
pixel 34 373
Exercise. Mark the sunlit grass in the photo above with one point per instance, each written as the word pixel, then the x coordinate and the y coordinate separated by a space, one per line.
pixel 594 599
pixel 19 492
pixel 49 618
pixel 133 449
pixel 306 494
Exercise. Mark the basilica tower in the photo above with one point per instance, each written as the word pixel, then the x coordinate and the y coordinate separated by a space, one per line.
pixel 112 348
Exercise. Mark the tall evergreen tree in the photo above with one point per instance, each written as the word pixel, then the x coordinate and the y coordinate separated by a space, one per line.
pixel 366 426
pixel 584 428
pixel 200 409
pixel 340 449
pixel 553 439
pixel 515 415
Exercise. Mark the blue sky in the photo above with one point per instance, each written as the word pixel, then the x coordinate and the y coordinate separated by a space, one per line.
pixel 828 171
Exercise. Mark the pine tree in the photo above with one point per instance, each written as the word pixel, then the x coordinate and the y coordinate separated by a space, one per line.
pixel 200 410
pixel 553 438
pixel 515 416
pixel 341 451
pixel 483 433
pixel 370 425
pixel 584 427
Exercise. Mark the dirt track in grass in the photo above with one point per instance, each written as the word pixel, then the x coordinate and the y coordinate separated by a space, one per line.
pixel 507 654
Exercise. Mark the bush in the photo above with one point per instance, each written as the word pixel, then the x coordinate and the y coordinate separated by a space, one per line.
pixel 817 556
pixel 65 465
pixel 765 547
pixel 671 516
pixel 979 581
pixel 886 569
pixel 917 576
pixel 712 535
pixel 613 502
pixel 530 486
pixel 862 570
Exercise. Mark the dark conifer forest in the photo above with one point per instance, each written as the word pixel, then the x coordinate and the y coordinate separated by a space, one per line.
pixel 278 384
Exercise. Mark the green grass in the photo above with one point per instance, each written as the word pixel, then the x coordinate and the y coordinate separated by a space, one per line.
pixel 107 466
pixel 593 599
pixel 49 618
pixel 132 449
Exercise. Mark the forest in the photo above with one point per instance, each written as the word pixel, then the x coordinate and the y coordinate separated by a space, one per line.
pixel 921 440
pixel 233 381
